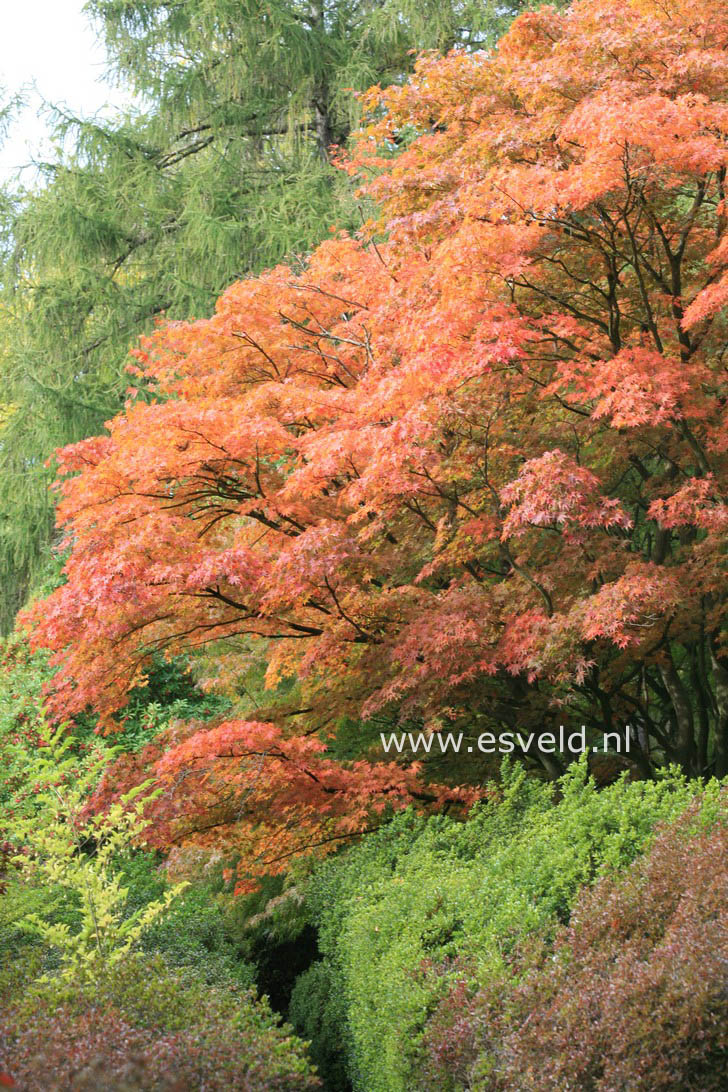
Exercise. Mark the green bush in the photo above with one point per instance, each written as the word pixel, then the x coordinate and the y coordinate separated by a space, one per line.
pixel 22 676
pixel 62 850
pixel 76 892
pixel 317 1012
pixel 424 893
pixel 194 932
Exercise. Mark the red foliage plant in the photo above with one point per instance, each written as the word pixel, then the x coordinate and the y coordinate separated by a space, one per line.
pixel 633 995
pixel 469 467
pixel 99 1047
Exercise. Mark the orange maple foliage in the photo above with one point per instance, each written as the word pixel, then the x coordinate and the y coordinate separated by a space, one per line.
pixel 474 473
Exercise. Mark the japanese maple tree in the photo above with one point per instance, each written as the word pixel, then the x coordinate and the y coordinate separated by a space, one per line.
pixel 466 470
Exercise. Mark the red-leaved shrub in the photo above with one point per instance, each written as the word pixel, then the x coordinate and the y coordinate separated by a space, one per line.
pixel 101 1048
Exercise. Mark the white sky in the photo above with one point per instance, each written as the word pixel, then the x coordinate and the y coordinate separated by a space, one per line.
pixel 49 43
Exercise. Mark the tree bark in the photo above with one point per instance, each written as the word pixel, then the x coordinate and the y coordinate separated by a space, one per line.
pixel 685 736
pixel 720 676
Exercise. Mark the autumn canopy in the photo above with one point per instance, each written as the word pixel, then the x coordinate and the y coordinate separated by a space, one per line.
pixel 467 470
